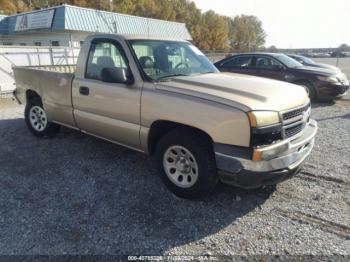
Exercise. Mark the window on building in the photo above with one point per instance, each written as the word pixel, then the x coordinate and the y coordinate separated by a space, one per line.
pixel 23 44
pixel 81 43
pixel 104 55
pixel 37 43
pixel 8 43
pixel 55 43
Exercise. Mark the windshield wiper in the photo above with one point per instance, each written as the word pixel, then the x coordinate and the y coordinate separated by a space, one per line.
pixel 209 72
pixel 169 76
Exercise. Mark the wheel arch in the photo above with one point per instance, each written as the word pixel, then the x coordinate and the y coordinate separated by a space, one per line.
pixel 303 81
pixel 313 90
pixel 31 94
pixel 160 128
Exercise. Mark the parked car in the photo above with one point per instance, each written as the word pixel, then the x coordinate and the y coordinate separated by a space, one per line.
pixel 163 97
pixel 309 62
pixel 318 82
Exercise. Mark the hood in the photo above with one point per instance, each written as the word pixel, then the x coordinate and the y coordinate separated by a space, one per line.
pixel 240 91
pixel 314 70
pixel 334 68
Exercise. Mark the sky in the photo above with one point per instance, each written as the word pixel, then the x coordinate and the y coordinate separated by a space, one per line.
pixel 292 23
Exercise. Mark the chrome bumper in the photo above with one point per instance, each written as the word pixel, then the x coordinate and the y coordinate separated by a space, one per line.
pixel 285 155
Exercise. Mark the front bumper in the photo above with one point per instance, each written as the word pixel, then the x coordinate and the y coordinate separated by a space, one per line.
pixel 284 159
pixel 332 90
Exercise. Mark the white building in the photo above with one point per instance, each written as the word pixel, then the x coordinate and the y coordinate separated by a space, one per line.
pixel 68 26
pixel 53 36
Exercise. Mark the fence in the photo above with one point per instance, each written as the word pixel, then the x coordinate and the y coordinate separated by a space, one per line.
pixel 214 57
pixel 31 56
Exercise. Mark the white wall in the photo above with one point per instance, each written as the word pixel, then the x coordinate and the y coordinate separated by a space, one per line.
pixel 29 39
pixel 31 56
pixel 22 52
pixel 67 39
pixel 77 37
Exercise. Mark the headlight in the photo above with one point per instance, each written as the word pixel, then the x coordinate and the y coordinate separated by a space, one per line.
pixel 329 79
pixel 263 118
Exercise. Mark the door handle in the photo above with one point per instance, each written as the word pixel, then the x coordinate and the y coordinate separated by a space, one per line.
pixel 83 90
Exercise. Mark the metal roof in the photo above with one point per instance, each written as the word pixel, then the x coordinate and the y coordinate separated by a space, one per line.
pixel 140 37
pixel 74 18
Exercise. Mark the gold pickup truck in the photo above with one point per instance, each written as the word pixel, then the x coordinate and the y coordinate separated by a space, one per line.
pixel 163 97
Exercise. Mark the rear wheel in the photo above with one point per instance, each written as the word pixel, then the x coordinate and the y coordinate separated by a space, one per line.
pixel 186 163
pixel 37 121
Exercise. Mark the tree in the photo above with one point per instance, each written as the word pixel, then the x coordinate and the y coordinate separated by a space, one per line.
pixel 272 49
pixel 214 32
pixel 246 33
pixel 344 47
pixel 7 7
pixel 124 6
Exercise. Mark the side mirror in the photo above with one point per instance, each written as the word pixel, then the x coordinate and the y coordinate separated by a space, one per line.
pixel 116 75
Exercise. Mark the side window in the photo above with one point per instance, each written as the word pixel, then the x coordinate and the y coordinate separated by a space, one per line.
pixel 240 61
pixel 300 60
pixel 55 43
pixel 267 63
pixel 103 55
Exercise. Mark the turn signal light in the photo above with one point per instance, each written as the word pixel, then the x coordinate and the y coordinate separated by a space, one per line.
pixel 257 155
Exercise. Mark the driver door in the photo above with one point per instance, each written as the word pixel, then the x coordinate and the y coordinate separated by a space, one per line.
pixel 108 110
pixel 270 68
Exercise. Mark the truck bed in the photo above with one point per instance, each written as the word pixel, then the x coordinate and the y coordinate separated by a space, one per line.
pixel 53 84
pixel 55 68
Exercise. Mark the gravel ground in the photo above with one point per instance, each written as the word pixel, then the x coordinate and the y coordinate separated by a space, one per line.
pixel 75 194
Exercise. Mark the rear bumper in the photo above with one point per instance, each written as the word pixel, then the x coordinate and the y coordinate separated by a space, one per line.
pixel 16 97
pixel 282 161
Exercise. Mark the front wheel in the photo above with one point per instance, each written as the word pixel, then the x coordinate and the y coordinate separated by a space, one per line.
pixel 37 121
pixel 186 163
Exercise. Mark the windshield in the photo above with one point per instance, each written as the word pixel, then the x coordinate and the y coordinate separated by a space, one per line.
pixel 307 60
pixel 287 61
pixel 163 59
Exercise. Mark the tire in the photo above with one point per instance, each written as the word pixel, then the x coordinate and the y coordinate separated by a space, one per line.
pixel 186 163
pixel 36 119
pixel 309 89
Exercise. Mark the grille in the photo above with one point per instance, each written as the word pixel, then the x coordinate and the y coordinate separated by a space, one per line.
pixel 295 113
pixel 295 120
pixel 292 131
